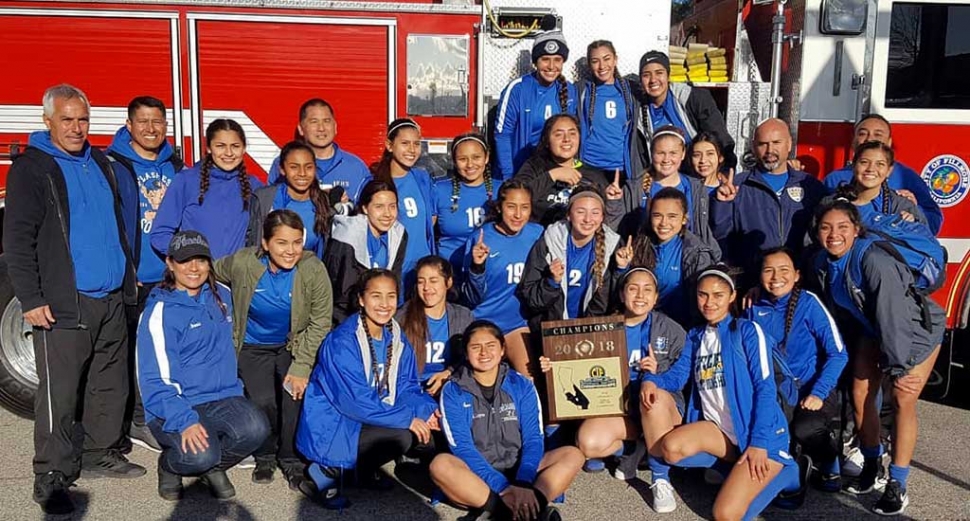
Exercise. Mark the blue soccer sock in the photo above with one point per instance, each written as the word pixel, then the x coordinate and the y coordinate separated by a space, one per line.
pixel 320 478
pixel 786 480
pixel 871 452
pixel 701 460
pixel 659 468
pixel 899 474
pixel 831 467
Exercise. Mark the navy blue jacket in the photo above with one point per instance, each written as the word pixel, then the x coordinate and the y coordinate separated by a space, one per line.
pixel 757 219
pixel 494 437
pixel 186 356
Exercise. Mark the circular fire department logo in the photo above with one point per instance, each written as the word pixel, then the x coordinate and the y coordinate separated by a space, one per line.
pixel 551 47
pixel 948 178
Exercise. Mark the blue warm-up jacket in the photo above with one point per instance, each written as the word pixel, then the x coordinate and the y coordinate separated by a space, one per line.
pixel 750 385
pixel 186 356
pixel 339 399
pixel 517 107
pixel 813 332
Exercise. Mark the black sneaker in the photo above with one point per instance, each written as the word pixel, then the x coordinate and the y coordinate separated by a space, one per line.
pixel 824 482
pixel 377 481
pixel 550 513
pixel 112 465
pixel 893 501
pixel 142 436
pixel 791 500
pixel 50 492
pixel 169 485
pixel 263 473
pixel 866 481
pixel 219 485
pixel 294 475
pixel 330 498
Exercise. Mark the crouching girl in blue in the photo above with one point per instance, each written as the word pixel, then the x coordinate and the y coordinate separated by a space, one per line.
pixel 732 412
pixel 364 405
pixel 186 359
pixel 900 335
pixel 812 346
pixel 493 421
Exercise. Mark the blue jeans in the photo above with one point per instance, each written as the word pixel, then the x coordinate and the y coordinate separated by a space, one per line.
pixel 235 426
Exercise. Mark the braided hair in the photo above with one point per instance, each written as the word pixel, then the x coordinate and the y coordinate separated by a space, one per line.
pixel 890 158
pixel 617 79
pixel 599 239
pixel 224 125
pixel 563 94
pixel 382 170
pixel 362 283
pixel 455 179
pixel 796 293
pixel 322 211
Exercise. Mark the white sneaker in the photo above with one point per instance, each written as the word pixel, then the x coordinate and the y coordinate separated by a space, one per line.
pixel 664 500
pixel 852 466
pixel 248 462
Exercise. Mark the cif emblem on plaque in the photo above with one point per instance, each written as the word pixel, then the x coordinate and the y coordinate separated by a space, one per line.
pixel 585 348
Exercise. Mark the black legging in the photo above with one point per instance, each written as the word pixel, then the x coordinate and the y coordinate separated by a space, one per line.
pixel 818 431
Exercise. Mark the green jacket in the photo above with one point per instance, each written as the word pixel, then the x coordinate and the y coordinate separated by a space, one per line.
pixel 311 310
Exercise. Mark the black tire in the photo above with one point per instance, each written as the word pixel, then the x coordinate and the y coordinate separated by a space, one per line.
pixel 18 378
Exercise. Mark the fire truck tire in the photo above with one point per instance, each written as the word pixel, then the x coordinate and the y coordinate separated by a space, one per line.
pixel 18 373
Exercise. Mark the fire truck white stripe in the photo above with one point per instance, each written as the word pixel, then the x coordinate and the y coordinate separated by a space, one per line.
pixel 956 249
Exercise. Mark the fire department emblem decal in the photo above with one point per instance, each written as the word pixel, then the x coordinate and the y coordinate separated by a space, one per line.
pixel 948 178
pixel 551 47
pixel 795 193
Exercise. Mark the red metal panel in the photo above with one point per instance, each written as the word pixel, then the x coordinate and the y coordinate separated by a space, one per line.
pixel 110 59
pixel 268 69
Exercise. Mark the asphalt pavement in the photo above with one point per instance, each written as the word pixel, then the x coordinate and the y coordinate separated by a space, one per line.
pixel 939 489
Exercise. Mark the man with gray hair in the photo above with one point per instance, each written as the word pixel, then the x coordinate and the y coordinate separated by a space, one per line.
pixel 70 266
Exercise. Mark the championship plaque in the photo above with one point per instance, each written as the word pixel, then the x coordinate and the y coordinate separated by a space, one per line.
pixel 589 371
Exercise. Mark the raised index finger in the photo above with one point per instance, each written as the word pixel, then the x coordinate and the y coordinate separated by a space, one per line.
pixel 629 241
pixel 481 236
pixel 616 176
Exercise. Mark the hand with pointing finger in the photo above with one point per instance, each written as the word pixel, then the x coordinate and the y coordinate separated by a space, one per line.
pixel 557 269
pixel 625 254
pixel 614 192
pixel 480 253
pixel 648 364
pixel 727 191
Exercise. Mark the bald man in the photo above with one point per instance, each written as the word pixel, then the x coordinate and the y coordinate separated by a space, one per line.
pixel 767 207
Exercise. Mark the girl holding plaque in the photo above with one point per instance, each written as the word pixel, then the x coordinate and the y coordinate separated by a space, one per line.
pixel 732 413
pixel 654 343
pixel 493 421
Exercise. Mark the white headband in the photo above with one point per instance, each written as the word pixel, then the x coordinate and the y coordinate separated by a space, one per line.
pixel 658 135
pixel 407 123
pixel 719 274
pixel 454 146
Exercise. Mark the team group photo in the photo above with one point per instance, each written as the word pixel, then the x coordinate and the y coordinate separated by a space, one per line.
pixel 523 263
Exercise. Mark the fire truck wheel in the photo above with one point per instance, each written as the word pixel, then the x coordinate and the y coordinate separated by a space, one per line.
pixel 18 373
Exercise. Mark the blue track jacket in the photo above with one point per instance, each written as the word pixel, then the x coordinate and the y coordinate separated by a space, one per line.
pixel 339 398
pixel 186 356
pixel 751 394
pixel 813 332
pixel 513 122
pixel 493 437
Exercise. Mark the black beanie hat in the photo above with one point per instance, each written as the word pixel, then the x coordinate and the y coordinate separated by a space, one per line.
pixel 550 43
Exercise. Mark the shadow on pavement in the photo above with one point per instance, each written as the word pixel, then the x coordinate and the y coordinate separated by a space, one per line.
pixel 82 501
pixel 370 504
pixel 198 505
